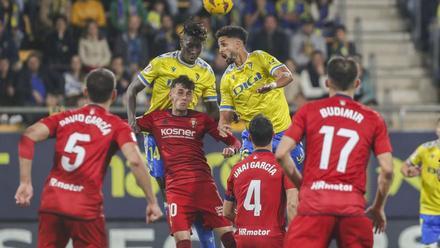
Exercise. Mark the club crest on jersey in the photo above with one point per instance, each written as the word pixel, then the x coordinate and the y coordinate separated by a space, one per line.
pixel 193 122
pixel 246 85
pixel 197 76
pixel 173 69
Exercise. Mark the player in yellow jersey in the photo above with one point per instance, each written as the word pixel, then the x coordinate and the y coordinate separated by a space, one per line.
pixel 253 84
pixel 425 161
pixel 158 75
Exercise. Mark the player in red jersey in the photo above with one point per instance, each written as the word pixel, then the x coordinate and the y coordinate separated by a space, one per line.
pixel 339 136
pixel 190 188
pixel 258 187
pixel 86 139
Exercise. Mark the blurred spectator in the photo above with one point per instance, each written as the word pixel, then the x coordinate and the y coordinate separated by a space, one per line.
pixel 93 48
pixel 132 45
pixel 292 91
pixel 60 46
pixel 122 77
pixel 183 9
pixel 255 11
pixel 366 93
pixel 35 83
pixel 209 47
pixel 271 39
pixel 85 10
pixel 121 10
pixel 51 9
pixel 313 77
pixel 166 39
pixel 155 15
pixel 304 42
pixel 324 13
pixel 8 92
pixel 11 16
pixel 8 48
pixel 340 44
pixel 287 13
pixel 73 82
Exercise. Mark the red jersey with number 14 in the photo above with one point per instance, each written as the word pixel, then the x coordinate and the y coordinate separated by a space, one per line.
pixel 258 186
pixel 340 133
pixel 86 139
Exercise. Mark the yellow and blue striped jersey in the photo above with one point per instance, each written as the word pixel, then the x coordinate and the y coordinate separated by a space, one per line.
pixel 427 156
pixel 163 69
pixel 239 86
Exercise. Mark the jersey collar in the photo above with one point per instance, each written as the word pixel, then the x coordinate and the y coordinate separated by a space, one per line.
pixel 344 96
pixel 183 62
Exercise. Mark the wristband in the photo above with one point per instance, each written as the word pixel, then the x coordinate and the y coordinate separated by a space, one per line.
pixel 26 148
pixel 273 85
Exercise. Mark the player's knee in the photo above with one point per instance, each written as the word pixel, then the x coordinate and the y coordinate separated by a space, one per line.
pixel 181 235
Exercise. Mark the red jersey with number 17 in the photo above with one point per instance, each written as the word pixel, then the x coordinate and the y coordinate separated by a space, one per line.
pixel 86 139
pixel 340 133
pixel 258 186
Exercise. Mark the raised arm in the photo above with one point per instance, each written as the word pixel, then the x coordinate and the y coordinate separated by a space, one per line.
pixel 134 159
pixel 212 110
pixel 224 124
pixel 283 157
pixel 35 133
pixel 377 211
pixel 133 89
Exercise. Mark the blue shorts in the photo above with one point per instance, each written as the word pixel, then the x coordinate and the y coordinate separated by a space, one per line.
pixel 430 228
pixel 154 162
pixel 297 154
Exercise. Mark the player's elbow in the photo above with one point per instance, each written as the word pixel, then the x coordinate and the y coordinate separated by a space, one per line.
pixel 279 155
pixel 228 214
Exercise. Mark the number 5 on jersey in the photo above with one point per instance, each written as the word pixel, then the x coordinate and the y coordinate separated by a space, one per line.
pixel 253 190
pixel 73 147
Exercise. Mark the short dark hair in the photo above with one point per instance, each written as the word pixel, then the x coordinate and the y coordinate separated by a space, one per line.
pixel 342 71
pixel 261 130
pixel 233 32
pixel 100 84
pixel 195 29
pixel 184 81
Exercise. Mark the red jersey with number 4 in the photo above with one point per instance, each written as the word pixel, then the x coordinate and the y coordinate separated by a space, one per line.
pixel 258 186
pixel 180 142
pixel 86 139
pixel 340 133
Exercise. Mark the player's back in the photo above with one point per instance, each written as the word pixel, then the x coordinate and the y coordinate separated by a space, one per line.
pixel 259 185
pixel 340 133
pixel 86 139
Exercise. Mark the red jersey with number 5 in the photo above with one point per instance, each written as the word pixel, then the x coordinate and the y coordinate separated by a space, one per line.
pixel 86 139
pixel 258 186
pixel 340 133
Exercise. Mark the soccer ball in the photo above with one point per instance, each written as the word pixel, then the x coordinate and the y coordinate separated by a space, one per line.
pixel 218 7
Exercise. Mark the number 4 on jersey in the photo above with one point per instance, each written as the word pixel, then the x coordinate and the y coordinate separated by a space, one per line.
pixel 253 190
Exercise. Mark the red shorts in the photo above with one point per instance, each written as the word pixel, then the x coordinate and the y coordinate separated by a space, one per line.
pixel 244 241
pixel 317 231
pixel 195 200
pixel 56 230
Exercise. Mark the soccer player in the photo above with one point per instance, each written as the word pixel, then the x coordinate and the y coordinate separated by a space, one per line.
pixel 86 139
pixel 158 75
pixel 257 188
pixel 252 84
pixel 339 136
pixel 190 188
pixel 425 161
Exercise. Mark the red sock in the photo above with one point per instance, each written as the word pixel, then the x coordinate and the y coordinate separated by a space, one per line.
pixel 228 240
pixel 186 243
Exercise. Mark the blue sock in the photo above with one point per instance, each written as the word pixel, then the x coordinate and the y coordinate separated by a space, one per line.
pixel 206 236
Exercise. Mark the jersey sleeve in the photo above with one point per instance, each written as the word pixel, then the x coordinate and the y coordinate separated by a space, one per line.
pixel 298 126
pixel 52 122
pixel 229 193
pixel 382 142
pixel 287 183
pixel 124 135
pixel 226 103
pixel 145 122
pixel 270 62
pixel 211 128
pixel 209 94
pixel 149 73
pixel 416 157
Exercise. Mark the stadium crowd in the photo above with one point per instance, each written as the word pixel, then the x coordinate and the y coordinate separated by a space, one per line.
pixel 46 47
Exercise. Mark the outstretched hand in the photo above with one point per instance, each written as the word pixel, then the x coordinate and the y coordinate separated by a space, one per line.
pixel 153 212
pixel 224 130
